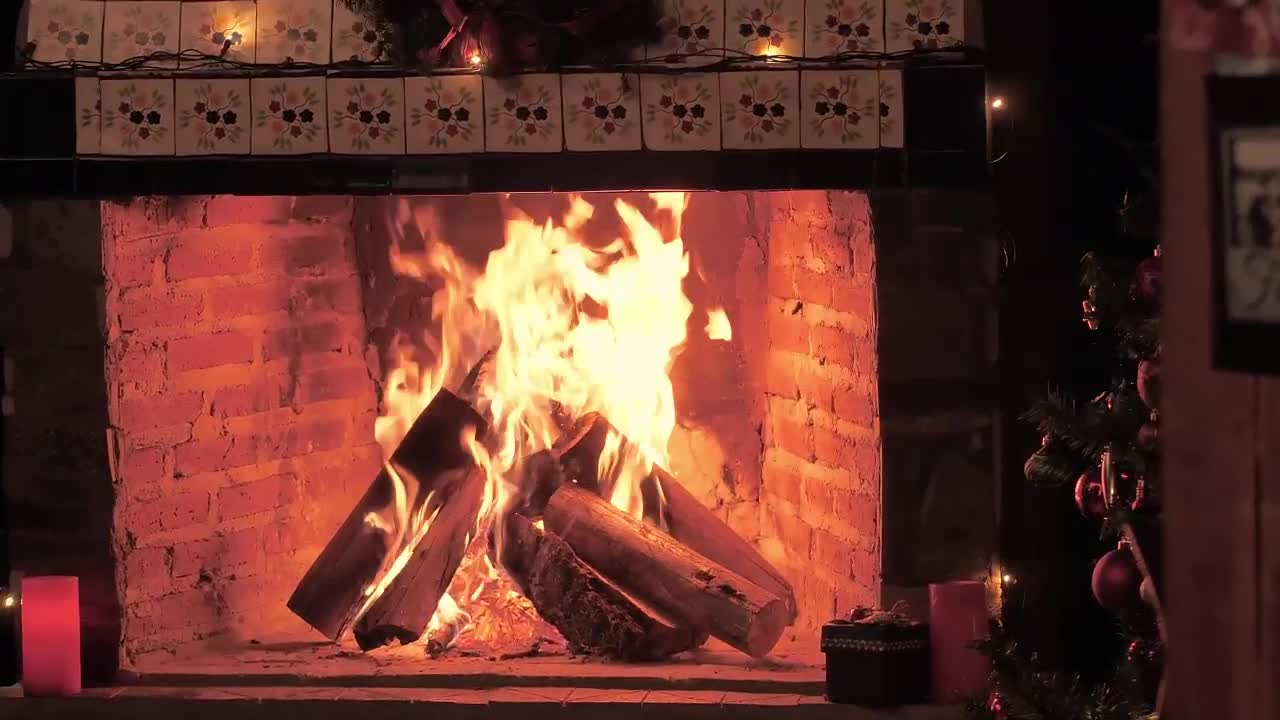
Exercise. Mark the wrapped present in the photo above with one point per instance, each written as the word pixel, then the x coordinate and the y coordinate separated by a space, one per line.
pixel 877 658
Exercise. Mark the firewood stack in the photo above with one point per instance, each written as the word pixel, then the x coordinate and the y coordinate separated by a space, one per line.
pixel 611 584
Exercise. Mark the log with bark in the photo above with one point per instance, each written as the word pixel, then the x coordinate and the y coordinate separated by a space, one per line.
pixel 593 615
pixel 653 567
pixel 333 590
pixel 670 506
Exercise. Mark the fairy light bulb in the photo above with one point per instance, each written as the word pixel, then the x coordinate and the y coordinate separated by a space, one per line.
pixel 997 103
pixel 475 59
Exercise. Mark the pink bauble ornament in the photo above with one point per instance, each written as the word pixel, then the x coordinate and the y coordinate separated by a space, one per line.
pixel 1116 580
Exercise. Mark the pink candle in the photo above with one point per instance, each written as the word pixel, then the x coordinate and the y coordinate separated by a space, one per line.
pixel 50 636
pixel 958 618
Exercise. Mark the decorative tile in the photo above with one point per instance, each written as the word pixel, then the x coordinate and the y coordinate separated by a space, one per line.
pixel 137 117
pixel 690 26
pixel 523 114
pixel 65 30
pixel 839 109
pixel 366 116
pixel 354 37
pixel 137 29
pixel 841 26
pixel 923 24
pixel 602 111
pixel 288 116
pixel 295 30
pixel 88 116
pixel 765 27
pixel 445 114
pixel 760 109
pixel 213 116
pixel 681 112
pixel 209 26
pixel 891 134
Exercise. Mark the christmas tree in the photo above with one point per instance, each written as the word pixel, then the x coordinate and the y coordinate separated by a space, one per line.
pixel 1107 448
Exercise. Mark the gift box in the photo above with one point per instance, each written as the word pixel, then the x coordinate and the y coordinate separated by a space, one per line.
pixel 877 659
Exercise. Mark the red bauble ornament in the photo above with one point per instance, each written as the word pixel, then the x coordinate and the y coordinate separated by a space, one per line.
pixel 1147 282
pixel 1116 580
pixel 1148 436
pixel 1149 382
pixel 1091 499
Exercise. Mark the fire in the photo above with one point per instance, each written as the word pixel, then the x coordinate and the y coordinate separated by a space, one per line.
pixel 574 327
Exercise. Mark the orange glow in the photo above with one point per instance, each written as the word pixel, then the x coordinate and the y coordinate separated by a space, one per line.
pixel 475 59
pixel 586 327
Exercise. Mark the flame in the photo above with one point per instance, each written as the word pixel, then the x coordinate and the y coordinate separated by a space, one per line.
pixel 574 328
pixel 718 327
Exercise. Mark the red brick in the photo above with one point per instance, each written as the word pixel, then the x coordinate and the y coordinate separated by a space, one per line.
pixel 866 566
pixel 795 534
pixel 864 257
pixel 341 295
pixel 142 466
pixel 832 449
pixel 789 332
pixel 206 351
pixel 301 255
pixel 273 444
pixel 239 400
pixel 301 339
pixel 832 553
pixel 222 553
pixel 780 375
pixel 245 210
pixel 160 411
pixel 169 512
pixel 867 460
pixel 813 287
pixel 793 436
pixel 832 248
pixel 816 389
pixel 314 437
pixel 140 310
pixel 240 300
pixel 323 208
pixel 853 295
pixel 834 345
pixel 206 254
pixel 854 405
pixel 259 496
pixel 197 456
pixel 132 267
pixel 146 570
pixel 782 481
pixel 787 243
pixel 335 383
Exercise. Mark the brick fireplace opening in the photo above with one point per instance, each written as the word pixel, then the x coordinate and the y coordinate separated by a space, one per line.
pixel 248 341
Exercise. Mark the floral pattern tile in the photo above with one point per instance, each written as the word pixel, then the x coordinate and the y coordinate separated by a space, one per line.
pixel 288 116
pixel 891 128
pixel 210 26
pixel 138 29
pixel 681 112
pixel 690 26
pixel 840 109
pixel 445 114
pixel 602 111
pixel 293 29
pixel 213 116
pixel 65 30
pixel 760 109
pixel 523 114
pixel 765 27
pixel 354 37
pixel 137 116
pixel 923 24
pixel 842 26
pixel 88 116
pixel 366 116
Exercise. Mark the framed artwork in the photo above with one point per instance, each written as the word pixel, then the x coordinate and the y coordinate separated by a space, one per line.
pixel 1244 127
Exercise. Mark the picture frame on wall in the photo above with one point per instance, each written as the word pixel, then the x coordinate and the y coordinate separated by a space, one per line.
pixel 1244 142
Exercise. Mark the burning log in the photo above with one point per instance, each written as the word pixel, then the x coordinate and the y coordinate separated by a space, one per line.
pixel 592 614
pixel 333 590
pixel 653 567
pixel 668 504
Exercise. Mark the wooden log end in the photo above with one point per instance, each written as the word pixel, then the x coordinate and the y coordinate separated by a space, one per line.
pixel 771 622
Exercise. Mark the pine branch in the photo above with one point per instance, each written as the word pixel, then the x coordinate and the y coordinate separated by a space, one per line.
pixel 1054 465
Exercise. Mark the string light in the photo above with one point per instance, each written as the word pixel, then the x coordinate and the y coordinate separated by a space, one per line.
pixel 997 103
pixel 475 59
pixel 10 601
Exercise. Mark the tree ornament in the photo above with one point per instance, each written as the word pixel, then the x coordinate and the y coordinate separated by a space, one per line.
pixel 1147 591
pixel 1149 435
pixel 1139 483
pixel 1091 500
pixel 1116 580
pixel 1147 282
pixel 1107 475
pixel 997 706
pixel 1149 382
pixel 1090 315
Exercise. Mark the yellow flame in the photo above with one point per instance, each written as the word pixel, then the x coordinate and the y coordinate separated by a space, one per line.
pixel 576 326
pixel 718 327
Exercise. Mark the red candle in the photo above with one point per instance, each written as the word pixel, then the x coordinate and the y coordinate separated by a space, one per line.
pixel 50 636
pixel 958 618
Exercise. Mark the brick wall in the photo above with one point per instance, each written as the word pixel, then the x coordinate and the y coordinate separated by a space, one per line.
pixel 821 479
pixel 241 409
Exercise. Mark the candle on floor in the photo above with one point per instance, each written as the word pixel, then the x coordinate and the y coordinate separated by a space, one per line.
pixel 957 619
pixel 50 636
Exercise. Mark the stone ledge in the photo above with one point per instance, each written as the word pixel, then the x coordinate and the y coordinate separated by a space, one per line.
pixel 336 703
